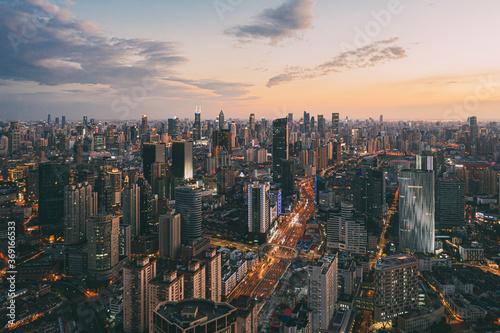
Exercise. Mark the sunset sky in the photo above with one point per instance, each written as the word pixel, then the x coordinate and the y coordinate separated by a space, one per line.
pixel 118 59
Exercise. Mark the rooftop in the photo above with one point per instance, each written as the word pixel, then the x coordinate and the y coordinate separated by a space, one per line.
pixel 395 261
pixel 191 312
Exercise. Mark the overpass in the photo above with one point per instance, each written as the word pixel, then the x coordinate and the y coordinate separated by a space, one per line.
pixel 277 256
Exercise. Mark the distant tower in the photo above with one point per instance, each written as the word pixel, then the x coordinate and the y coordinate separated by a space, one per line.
pixel 222 123
pixel 174 128
pixel 197 123
pixel 381 118
pixel 251 122
pixel 335 124
pixel 144 125
pixel 48 119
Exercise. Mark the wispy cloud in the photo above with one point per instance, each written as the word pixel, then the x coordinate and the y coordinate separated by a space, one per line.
pixel 44 43
pixel 277 24
pixel 367 56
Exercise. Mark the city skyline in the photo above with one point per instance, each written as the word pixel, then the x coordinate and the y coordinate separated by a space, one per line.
pixel 164 59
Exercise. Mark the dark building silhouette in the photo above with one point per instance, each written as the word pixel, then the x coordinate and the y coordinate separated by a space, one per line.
pixel 450 203
pixel 182 159
pixel 280 146
pixel 152 153
pixel 53 177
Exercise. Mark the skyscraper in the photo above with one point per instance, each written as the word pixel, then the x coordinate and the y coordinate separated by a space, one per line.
pixel 474 129
pixel 136 276
pixel 288 179
pixel 335 124
pixel 115 176
pixel 322 291
pixel 188 204
pixel 182 159
pixel 151 153
pixel 170 235
pixel 78 207
pixel 321 125
pixel 258 208
pixel 396 286
pixel 280 146
pixel 102 242
pixel 426 161
pixel 14 137
pixel 450 203
pixel 168 286
pixel 131 208
pixel 251 122
pixel 53 177
pixel 174 128
pixel 144 125
pixel 197 125
pixel 213 263
pixel 369 193
pixel 416 211
pixel 222 122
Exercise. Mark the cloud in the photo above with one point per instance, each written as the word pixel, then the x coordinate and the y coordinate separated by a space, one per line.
pixel 366 56
pixel 277 24
pixel 45 43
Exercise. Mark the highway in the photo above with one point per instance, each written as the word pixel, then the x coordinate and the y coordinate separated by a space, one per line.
pixel 262 281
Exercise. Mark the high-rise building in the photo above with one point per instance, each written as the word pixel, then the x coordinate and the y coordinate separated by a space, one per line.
pixel 131 208
pixel 195 280
pixel 115 176
pixel 396 286
pixel 258 208
pixel 290 120
pixel 53 177
pixel 346 230
pixel 251 122
pixel 288 178
pixel 136 276
pixel 474 129
pixel 222 122
pixel 416 211
pixel 14 137
pixel 146 207
pixel 188 204
pixel 322 291
pixel 221 140
pixel 152 153
pixel 183 317
pixel 426 161
pixel 79 205
pixel 321 125
pixel 280 146
pixel 197 125
pixel 168 286
pixel 369 193
pixel 335 124
pixel 144 125
pixel 170 235
pixel 182 159
pixel 450 203
pixel 174 128
pixel 102 243
pixel 63 121
pixel 225 179
pixel 213 264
